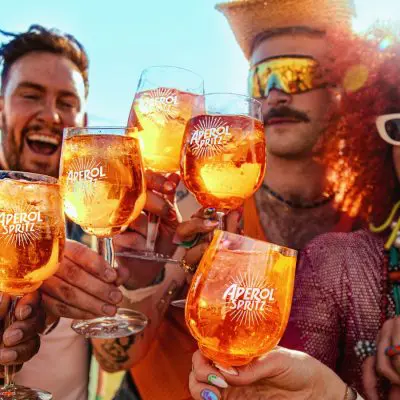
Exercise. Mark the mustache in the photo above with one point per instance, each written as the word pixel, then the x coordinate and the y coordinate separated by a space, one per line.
pixel 37 128
pixel 286 112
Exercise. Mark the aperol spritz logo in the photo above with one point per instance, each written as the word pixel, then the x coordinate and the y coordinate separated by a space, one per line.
pixel 83 176
pixel 85 170
pixel 249 299
pixel 209 137
pixel 160 104
pixel 20 225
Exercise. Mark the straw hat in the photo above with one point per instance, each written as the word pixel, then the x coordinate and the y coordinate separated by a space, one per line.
pixel 249 18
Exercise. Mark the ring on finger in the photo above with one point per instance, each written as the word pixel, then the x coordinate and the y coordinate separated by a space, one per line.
pixel 392 351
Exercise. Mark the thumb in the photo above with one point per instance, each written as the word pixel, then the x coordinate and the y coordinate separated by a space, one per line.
pixel 369 378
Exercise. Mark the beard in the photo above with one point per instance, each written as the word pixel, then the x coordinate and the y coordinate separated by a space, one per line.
pixel 15 155
pixel 11 150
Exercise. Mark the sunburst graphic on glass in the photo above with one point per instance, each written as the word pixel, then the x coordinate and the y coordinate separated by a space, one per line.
pixel 86 186
pixel 23 233
pixel 256 313
pixel 240 297
pixel 161 105
pixel 212 136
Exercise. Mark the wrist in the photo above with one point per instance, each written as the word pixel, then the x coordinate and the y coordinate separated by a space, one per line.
pixel 333 388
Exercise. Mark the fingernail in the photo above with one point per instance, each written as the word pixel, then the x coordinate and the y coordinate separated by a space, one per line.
pixel 8 355
pixel 110 274
pixel 115 296
pixel 109 310
pixel 208 395
pixel 12 337
pixel 217 381
pixel 210 223
pixel 25 312
pixel 208 212
pixel 227 370
pixel 169 186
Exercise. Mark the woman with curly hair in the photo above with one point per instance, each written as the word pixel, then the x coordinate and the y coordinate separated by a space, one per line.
pixel 346 283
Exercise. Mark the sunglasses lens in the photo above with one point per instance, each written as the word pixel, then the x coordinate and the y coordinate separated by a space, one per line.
pixel 392 128
pixel 289 74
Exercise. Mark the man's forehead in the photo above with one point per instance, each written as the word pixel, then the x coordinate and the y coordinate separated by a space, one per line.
pixel 51 71
pixel 301 44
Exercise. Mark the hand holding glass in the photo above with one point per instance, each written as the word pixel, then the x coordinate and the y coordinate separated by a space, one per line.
pixel 32 238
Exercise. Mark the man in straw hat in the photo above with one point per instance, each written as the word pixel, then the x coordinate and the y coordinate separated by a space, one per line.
pixel 284 40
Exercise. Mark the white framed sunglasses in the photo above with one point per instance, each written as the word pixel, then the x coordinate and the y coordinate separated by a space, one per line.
pixel 389 128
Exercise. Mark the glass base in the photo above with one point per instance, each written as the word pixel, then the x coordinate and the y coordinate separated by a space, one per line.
pixel 147 255
pixel 179 303
pixel 124 323
pixel 23 393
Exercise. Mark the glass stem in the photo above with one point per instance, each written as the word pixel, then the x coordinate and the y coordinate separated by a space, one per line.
pixel 152 231
pixel 105 247
pixel 9 370
pixel 221 220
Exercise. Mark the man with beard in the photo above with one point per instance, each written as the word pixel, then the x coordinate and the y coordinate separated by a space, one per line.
pixel 44 86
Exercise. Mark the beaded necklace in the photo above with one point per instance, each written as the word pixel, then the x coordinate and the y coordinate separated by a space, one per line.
pixel 392 260
pixel 326 199
pixel 390 279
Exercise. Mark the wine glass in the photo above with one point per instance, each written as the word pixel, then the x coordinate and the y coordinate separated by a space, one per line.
pixel 104 190
pixel 32 239
pixel 165 100
pixel 239 301
pixel 223 154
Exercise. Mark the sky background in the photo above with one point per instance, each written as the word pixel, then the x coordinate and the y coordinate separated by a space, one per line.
pixel 122 37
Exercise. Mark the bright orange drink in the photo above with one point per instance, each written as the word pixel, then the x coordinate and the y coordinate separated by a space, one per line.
pixel 240 298
pixel 102 181
pixel 160 117
pixel 223 159
pixel 32 234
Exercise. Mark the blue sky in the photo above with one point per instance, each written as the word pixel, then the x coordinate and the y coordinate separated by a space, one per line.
pixel 123 37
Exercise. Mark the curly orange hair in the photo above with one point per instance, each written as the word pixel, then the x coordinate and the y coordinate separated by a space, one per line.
pixel 366 68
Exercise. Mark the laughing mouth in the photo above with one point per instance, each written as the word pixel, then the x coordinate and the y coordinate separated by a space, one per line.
pixel 43 144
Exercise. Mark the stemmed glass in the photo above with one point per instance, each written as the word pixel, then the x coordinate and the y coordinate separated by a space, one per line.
pixel 239 301
pixel 165 100
pixel 32 238
pixel 104 190
pixel 223 154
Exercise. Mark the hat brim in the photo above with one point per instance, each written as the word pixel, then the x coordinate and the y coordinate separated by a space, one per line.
pixel 250 18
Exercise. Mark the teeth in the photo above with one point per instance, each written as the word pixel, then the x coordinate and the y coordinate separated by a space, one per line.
pixel 45 139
